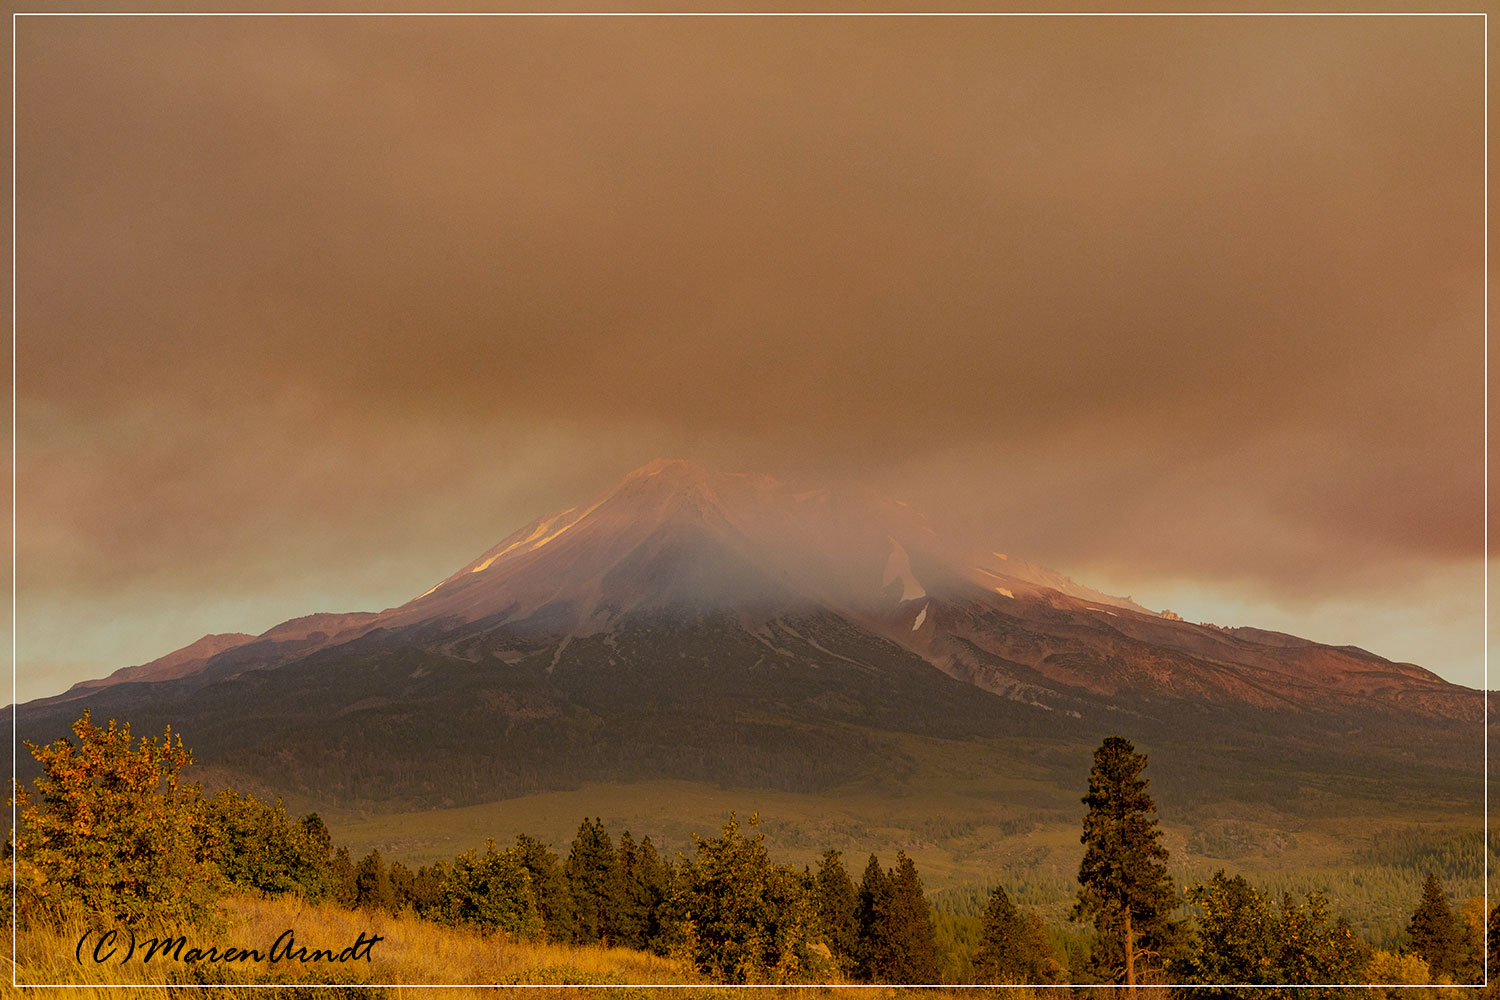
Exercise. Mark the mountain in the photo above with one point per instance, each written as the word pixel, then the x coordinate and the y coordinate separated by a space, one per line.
pixel 726 627
pixel 190 659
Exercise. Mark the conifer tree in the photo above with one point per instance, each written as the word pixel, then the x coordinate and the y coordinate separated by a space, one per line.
pixel 652 886
pixel 644 886
pixel 876 952
pixel 1124 887
pixel 631 906
pixel 911 928
pixel 1434 931
pixel 427 891
pixel 403 886
pixel 341 875
pixel 872 954
pixel 838 909
pixel 593 883
pixel 550 885
pixel 1013 946
pixel 372 884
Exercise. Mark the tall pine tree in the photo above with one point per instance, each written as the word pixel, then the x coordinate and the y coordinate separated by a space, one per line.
pixel 912 927
pixel 1434 931
pixel 341 878
pixel 372 885
pixel 634 907
pixel 897 939
pixel 650 889
pixel 875 954
pixel 838 910
pixel 1124 887
pixel 553 896
pixel 594 884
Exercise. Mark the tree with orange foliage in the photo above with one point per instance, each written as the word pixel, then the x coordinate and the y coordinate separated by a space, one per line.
pixel 114 832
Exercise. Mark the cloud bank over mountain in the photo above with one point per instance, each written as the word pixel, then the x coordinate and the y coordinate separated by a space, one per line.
pixel 309 308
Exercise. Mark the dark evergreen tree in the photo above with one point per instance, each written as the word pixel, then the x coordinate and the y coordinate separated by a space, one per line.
pixel 876 952
pixel 593 881
pixel 838 910
pixel 550 884
pixel 651 885
pixel 1124 887
pixel 1434 930
pixel 427 891
pixel 911 928
pixel 372 884
pixel 644 885
pixel 631 908
pixel 341 877
pixel 1013 946
pixel 403 884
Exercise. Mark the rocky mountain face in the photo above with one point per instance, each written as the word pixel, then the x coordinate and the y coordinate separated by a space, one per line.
pixel 700 624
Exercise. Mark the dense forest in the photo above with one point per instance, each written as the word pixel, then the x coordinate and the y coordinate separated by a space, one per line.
pixel 111 835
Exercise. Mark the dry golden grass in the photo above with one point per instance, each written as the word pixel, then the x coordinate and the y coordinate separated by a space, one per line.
pixel 412 951
pixel 415 951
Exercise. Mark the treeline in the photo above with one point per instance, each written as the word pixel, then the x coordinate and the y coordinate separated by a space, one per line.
pixel 112 833
pixel 731 911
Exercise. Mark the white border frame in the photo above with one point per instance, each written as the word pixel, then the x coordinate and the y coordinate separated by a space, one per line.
pixel 1484 845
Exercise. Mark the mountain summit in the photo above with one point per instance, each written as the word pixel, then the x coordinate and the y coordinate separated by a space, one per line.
pixel 686 603
pixel 676 533
pixel 676 536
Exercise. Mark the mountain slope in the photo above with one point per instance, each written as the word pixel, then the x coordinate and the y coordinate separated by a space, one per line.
pixel 696 624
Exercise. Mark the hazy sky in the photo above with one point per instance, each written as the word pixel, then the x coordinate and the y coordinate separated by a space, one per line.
pixel 311 311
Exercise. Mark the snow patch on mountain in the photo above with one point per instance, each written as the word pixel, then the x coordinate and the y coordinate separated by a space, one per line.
pixel 898 567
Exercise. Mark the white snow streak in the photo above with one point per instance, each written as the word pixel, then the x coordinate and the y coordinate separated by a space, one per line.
pixel 898 566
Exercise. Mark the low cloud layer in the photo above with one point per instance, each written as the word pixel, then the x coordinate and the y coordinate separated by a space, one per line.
pixel 319 308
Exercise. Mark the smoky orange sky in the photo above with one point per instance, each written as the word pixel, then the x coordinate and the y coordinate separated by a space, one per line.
pixel 311 311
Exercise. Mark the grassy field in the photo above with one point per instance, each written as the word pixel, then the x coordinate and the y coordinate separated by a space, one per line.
pixel 411 951
pixel 411 954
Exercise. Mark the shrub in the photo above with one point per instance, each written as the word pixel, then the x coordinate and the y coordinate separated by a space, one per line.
pixel 114 832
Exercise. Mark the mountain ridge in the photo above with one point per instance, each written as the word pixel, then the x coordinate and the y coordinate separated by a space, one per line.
pixel 675 534
pixel 728 628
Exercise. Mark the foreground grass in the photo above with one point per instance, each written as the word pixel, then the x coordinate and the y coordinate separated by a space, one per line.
pixel 453 964
pixel 468 965
pixel 411 951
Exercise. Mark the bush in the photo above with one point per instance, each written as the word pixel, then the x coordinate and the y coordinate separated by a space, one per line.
pixel 747 920
pixel 114 832
pixel 256 846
